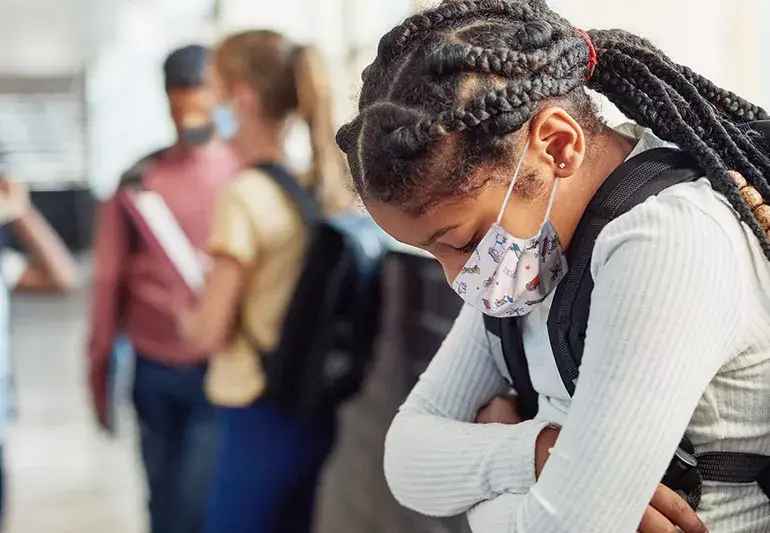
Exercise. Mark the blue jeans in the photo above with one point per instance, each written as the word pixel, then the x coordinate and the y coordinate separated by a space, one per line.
pixel 267 473
pixel 179 435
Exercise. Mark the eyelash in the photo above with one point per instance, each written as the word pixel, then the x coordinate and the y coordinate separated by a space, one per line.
pixel 468 248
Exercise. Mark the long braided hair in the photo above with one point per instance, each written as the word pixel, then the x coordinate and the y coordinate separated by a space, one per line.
pixel 450 85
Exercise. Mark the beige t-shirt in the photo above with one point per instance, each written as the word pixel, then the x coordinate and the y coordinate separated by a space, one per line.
pixel 259 226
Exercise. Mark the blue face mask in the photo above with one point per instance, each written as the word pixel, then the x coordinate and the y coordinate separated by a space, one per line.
pixel 225 122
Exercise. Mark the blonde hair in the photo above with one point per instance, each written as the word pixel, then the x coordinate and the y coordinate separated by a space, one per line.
pixel 290 79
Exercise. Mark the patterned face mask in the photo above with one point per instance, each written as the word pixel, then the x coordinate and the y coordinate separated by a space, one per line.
pixel 507 276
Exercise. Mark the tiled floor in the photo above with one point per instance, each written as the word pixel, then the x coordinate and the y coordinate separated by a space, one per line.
pixel 63 475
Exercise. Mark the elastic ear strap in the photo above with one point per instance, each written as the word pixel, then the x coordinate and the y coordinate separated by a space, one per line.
pixel 550 200
pixel 513 182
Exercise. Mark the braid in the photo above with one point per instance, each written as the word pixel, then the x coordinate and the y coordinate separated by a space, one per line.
pixel 394 42
pixel 744 155
pixel 733 106
pixel 710 138
pixel 450 85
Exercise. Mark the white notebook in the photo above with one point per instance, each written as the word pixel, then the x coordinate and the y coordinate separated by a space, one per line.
pixel 161 231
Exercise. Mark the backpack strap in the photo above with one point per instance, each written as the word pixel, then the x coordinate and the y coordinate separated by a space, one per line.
pixel 639 178
pixel 133 179
pixel 134 176
pixel 516 362
pixel 306 203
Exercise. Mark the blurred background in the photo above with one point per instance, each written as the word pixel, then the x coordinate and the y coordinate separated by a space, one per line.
pixel 81 98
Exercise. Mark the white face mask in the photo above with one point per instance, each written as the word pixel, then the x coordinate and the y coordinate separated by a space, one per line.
pixel 507 276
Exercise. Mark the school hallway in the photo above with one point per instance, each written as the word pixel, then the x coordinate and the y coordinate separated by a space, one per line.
pixel 63 476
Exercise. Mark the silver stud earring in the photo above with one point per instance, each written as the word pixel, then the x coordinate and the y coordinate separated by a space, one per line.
pixel 562 165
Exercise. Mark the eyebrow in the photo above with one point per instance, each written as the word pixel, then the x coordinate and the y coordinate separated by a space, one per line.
pixel 437 235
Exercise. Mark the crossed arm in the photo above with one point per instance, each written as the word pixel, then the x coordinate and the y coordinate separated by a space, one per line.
pixel 638 389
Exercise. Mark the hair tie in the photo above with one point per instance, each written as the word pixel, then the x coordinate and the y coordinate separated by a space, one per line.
pixel 593 60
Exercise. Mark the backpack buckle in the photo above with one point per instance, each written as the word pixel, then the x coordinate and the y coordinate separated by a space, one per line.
pixel 682 475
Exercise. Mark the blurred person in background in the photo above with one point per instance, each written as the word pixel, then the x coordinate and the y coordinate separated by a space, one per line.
pixel 269 465
pixel 133 288
pixel 45 267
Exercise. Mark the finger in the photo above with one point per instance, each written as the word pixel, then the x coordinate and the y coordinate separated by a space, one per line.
pixel 676 510
pixel 654 522
pixel 483 416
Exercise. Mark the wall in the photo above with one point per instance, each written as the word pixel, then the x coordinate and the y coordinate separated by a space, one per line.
pixel 127 107
pixel 717 38
pixel 724 40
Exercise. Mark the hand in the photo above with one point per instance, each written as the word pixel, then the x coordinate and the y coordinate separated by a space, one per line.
pixel 99 394
pixel 183 315
pixel 14 200
pixel 501 410
pixel 668 512
pixel 545 441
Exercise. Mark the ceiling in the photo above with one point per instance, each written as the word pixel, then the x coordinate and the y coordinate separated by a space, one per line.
pixel 51 36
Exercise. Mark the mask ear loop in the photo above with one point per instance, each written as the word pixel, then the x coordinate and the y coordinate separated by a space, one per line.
pixel 550 200
pixel 513 182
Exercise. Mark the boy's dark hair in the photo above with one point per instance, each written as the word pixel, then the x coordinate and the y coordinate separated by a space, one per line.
pixel 451 84
pixel 185 67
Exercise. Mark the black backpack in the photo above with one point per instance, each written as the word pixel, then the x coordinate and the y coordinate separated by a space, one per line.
pixel 328 337
pixel 639 178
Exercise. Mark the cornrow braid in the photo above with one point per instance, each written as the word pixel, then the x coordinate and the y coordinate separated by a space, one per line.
pixel 394 42
pixel 451 84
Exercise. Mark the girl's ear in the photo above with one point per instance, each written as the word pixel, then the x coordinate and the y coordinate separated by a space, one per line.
pixel 558 141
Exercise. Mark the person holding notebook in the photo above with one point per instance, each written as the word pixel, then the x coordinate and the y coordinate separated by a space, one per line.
pixel 134 284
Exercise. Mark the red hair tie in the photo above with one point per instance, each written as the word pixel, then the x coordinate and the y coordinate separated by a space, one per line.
pixel 592 58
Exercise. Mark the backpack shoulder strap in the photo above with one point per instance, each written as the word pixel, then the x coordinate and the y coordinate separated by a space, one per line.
pixel 308 206
pixel 516 362
pixel 134 176
pixel 133 179
pixel 639 178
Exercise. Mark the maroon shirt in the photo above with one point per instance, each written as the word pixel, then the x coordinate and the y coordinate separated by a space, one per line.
pixel 135 291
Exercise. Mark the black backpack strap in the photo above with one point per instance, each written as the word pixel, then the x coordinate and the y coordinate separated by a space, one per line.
pixel 631 184
pixel 735 467
pixel 133 179
pixel 516 362
pixel 134 176
pixel 306 203
pixel 639 178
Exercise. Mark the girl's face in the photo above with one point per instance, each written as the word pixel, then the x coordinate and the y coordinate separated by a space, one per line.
pixel 451 230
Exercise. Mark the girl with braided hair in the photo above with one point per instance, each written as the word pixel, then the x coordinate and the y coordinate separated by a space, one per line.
pixel 477 141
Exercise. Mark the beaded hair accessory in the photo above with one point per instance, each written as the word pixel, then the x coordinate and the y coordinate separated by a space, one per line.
pixel 754 200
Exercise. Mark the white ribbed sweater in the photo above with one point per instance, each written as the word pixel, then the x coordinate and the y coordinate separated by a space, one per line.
pixel 678 340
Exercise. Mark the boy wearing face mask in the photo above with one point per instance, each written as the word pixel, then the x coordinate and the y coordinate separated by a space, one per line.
pixel 134 289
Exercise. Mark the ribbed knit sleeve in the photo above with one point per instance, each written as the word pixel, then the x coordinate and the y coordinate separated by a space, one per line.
pixel 437 461
pixel 665 313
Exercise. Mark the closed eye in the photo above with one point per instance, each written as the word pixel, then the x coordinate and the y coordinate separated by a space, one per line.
pixel 469 247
